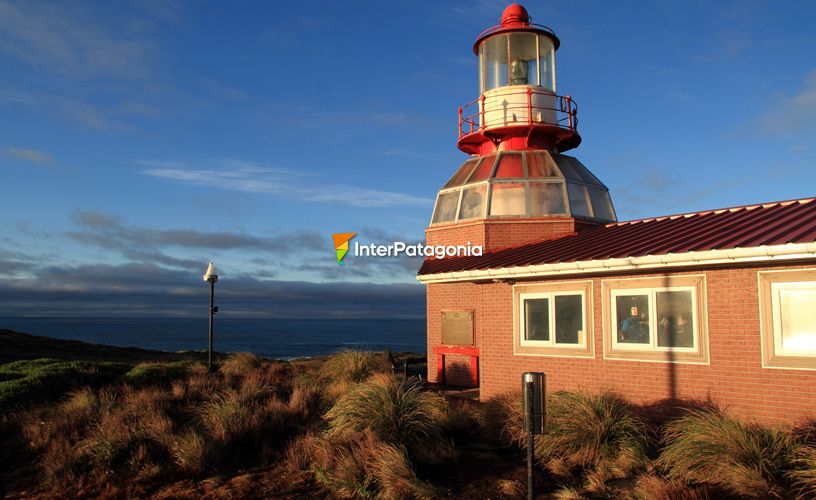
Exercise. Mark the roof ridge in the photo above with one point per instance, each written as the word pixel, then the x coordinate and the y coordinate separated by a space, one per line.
pixel 752 206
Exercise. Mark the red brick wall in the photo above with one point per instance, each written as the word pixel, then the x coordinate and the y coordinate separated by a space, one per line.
pixel 734 379
pixel 498 234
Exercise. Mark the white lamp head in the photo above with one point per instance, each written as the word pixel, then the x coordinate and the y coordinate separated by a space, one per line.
pixel 210 275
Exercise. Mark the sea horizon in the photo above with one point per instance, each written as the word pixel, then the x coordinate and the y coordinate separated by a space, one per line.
pixel 281 338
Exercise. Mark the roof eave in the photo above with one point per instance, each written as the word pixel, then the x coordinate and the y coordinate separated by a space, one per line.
pixel 786 252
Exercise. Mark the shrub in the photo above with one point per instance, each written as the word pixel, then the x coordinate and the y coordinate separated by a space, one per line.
pixel 352 366
pixel 590 431
pixel 707 446
pixel 397 412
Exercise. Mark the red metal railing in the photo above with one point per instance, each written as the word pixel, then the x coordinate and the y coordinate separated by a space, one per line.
pixel 563 113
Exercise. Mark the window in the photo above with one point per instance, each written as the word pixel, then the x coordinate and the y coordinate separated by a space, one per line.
pixel 787 324
pixel 655 319
pixel 553 319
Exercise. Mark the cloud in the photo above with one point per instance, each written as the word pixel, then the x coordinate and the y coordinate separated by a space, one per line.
pixel 250 178
pixel 147 245
pixel 791 114
pixel 31 155
pixel 141 289
pixel 67 40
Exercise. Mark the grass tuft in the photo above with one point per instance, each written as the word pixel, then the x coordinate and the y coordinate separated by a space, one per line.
pixel 240 363
pixel 708 447
pixel 592 431
pixel 397 412
pixel 353 366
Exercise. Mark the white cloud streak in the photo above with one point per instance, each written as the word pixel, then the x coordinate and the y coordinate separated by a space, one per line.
pixel 251 178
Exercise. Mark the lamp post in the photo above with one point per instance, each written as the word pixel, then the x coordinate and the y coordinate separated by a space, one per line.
pixel 210 276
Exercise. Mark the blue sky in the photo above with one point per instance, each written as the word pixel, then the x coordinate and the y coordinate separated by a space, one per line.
pixel 138 140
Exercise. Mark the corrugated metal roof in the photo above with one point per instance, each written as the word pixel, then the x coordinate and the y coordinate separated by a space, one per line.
pixel 774 223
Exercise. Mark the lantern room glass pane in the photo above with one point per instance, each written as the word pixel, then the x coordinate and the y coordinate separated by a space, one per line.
pixel 510 167
pixel 473 202
pixel 539 165
pixel 462 174
pixel 547 62
pixel 523 59
pixel 446 204
pixel 482 172
pixel 493 58
pixel 675 323
pixel 633 319
pixel 547 198
pixel 507 199
pixel 601 206
pixel 578 200
pixel 537 319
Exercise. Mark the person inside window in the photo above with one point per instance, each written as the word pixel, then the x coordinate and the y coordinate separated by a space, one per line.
pixel 634 329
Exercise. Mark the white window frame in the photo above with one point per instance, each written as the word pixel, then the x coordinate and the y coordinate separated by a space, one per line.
pixel 651 294
pixel 550 296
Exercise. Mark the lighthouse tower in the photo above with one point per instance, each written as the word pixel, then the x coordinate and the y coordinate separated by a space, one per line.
pixel 517 186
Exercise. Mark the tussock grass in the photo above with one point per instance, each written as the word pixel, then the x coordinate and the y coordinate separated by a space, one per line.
pixel 353 366
pixel 599 432
pixel 502 417
pixel 190 452
pixel 397 412
pixel 708 447
pixel 240 363
pixel 392 471
pixel 654 487
pixel 35 381
pixel 152 374
pixel 804 475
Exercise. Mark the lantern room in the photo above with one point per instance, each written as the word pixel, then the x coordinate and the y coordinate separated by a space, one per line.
pixel 516 53
pixel 518 106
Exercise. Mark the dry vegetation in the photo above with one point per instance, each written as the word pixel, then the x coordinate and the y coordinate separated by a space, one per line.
pixel 349 428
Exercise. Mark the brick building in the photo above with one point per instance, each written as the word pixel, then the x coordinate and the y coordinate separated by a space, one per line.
pixel 717 305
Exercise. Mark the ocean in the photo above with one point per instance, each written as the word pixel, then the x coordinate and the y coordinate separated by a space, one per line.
pixel 274 338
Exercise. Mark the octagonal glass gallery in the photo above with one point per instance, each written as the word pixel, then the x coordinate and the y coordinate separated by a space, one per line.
pixel 517 184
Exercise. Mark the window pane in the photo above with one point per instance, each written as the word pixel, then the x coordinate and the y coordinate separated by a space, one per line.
pixel 473 202
pixel 578 201
pixel 798 320
pixel 546 198
pixel 510 167
pixel 462 174
pixel 523 63
pixel 675 326
pixel 569 322
pixel 508 199
pixel 537 319
pixel 482 172
pixel 601 206
pixel 539 165
pixel 446 207
pixel 494 61
pixel 633 318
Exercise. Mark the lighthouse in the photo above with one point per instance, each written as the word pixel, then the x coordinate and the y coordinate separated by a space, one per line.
pixel 517 186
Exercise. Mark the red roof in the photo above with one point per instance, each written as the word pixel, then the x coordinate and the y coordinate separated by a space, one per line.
pixel 775 223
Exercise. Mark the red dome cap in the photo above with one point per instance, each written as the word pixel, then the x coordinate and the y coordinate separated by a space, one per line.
pixel 514 14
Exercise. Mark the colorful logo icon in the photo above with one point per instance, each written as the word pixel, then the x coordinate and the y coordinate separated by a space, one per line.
pixel 341 245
